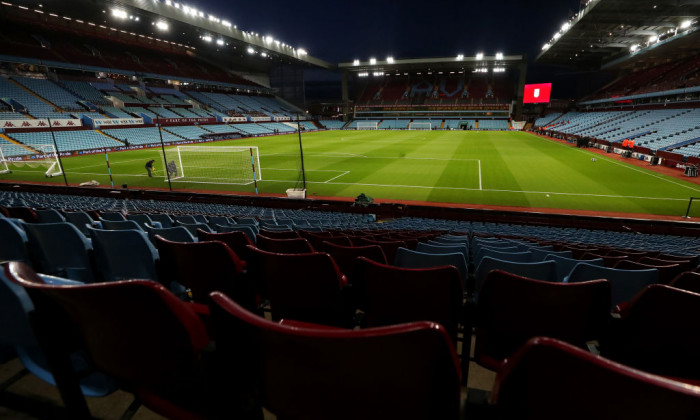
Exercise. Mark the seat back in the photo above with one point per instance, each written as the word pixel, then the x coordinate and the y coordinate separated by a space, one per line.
pixel 585 387
pixel 443 249
pixel 624 283
pixel 13 245
pixel 120 225
pixel 544 270
pixel 689 281
pixel 143 220
pixel 407 258
pixel 654 334
pixel 249 230
pixel 25 213
pixel 304 287
pixel 60 249
pixel 114 216
pixel 281 233
pixel 540 254
pixel 391 295
pixel 401 371
pixel 236 240
pixel 565 264
pixel 164 220
pixel 124 254
pixel 49 216
pixel 346 256
pixel 80 220
pixel 176 233
pixel 513 256
pixel 204 267
pixel 192 227
pixel 284 246
pixel 512 309
pixel 667 271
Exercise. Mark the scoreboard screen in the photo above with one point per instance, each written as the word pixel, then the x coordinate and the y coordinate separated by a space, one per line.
pixel 537 93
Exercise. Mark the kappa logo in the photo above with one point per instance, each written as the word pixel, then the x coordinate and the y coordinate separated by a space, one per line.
pixel 536 94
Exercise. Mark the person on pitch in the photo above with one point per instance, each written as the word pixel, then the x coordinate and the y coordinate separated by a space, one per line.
pixel 149 167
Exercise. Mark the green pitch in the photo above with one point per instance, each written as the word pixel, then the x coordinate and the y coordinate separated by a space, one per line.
pixel 494 168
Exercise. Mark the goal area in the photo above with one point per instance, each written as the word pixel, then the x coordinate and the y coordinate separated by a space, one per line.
pixel 236 165
pixel 421 126
pixel 42 157
pixel 367 125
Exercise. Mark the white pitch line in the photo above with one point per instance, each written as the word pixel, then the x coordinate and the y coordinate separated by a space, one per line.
pixel 480 188
pixel 628 166
pixel 335 177
pixel 380 157
pixel 476 189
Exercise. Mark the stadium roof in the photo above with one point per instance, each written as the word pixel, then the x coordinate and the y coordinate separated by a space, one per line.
pixel 175 22
pixel 455 63
pixel 625 33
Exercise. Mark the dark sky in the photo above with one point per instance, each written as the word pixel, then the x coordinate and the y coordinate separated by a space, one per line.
pixel 342 31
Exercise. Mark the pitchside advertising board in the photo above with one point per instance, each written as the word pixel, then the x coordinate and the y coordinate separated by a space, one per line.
pixel 537 93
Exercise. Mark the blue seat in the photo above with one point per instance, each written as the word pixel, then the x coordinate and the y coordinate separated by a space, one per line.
pixel 625 284
pixel 247 229
pixel 114 216
pixel 219 220
pixel 544 270
pixel 539 254
pixel 565 265
pixel 513 256
pixel 406 258
pixel 81 220
pixel 120 225
pixel 141 219
pixel 13 245
pixel 165 220
pixel 60 249
pixel 16 331
pixel 176 234
pixel 49 216
pixel 192 227
pixel 124 254
pixel 477 248
pixel 443 249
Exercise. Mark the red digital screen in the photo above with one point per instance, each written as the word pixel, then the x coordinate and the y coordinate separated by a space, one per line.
pixel 537 93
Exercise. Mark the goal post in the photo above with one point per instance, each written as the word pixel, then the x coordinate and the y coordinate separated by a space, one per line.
pixel 4 168
pixel 239 165
pixel 421 126
pixel 367 125
pixel 41 156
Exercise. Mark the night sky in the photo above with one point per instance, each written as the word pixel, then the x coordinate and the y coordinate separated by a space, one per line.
pixel 342 31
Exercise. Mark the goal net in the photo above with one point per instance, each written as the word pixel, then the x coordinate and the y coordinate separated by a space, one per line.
pixel 366 125
pixel 421 126
pixel 42 156
pixel 214 165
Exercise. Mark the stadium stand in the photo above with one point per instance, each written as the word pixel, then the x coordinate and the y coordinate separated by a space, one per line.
pixel 67 140
pixel 145 135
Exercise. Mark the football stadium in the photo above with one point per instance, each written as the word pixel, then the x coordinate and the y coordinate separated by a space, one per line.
pixel 493 217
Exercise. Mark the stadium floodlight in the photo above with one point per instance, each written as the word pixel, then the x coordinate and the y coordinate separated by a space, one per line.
pixel 545 46
pixel 634 47
pixel 356 62
pixel 302 51
pixel 372 61
pixel 685 24
pixel 390 60
pixel 251 50
pixel 206 38
pixel 263 54
pixel 119 13
pixel 499 56
pixel 219 41
pixel 565 27
pixel 460 56
pixel 378 73
pixel 268 39
pixel 557 35
pixel 480 56
pixel 162 25
pixel 653 39
pixel 226 23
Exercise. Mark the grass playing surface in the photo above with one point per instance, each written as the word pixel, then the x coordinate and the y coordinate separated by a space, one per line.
pixel 493 168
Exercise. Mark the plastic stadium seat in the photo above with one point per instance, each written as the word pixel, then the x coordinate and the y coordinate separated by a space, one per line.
pixel 654 334
pixel 124 254
pixel 391 295
pixel 165 220
pixel 540 254
pixel 544 270
pixel 512 256
pixel 624 283
pixel 219 220
pixel 60 249
pixel 684 265
pixel 137 332
pixel 667 271
pixel 80 220
pixel 192 227
pixel 389 247
pixel 278 234
pixel 177 234
pixel 284 246
pixel 141 219
pixel 609 260
pixel 512 309
pixel 565 265
pixel 694 259
pixel 114 216
pixel 443 249
pixel 49 216
pixel 16 330
pixel 407 258
pixel 237 241
pixel 346 256
pixel 14 243
pixel 120 225
pixel 303 287
pixel 689 281
pixel 574 384
pixel 203 267
pixel 308 372
pixel 25 213
pixel 249 230
pixel 317 240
